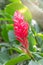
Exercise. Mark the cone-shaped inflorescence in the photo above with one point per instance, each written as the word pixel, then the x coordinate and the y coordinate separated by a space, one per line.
pixel 21 28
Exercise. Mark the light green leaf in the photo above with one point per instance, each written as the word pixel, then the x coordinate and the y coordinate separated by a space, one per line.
pixel 20 7
pixel 11 35
pixel 14 0
pixel 33 63
pixel 34 27
pixel 32 41
pixel 18 59
pixel 4 56
pixel 41 62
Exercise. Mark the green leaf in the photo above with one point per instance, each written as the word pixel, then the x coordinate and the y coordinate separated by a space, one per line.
pixel 41 62
pixel 1 12
pixel 39 39
pixel 32 41
pixel 15 47
pixel 4 19
pixel 20 7
pixel 11 36
pixel 14 0
pixel 9 26
pixel 5 30
pixel 4 33
pixel 40 35
pixel 4 45
pixel 4 56
pixel 36 55
pixel 33 63
pixel 18 59
pixel 34 27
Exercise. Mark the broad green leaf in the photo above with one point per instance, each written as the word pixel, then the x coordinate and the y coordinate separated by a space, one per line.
pixel 34 26
pixel 11 36
pixel 3 16
pixel 33 63
pixel 10 10
pixel 12 39
pixel 41 54
pixel 40 35
pixel 4 19
pixel 18 59
pixel 5 30
pixel 14 0
pixel 32 41
pixel 4 56
pixel 9 26
pixel 4 45
pixel 41 61
pixel 39 39
pixel 36 55
pixel 4 33
pixel 13 47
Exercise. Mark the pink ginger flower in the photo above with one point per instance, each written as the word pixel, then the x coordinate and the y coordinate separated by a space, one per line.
pixel 21 28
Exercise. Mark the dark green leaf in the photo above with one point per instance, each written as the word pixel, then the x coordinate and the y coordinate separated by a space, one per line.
pixel 4 33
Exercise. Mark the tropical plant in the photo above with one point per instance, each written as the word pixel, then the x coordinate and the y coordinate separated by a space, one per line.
pixel 21 37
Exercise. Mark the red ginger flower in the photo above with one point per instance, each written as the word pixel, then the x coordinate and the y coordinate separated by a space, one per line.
pixel 21 29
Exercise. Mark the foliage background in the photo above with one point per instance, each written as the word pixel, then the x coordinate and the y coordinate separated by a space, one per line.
pixel 10 52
